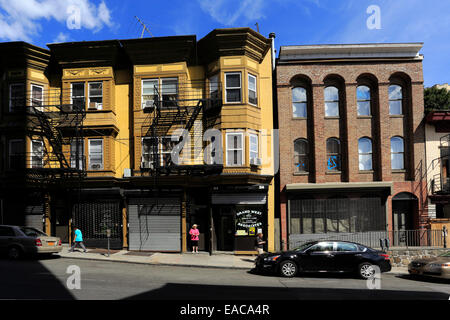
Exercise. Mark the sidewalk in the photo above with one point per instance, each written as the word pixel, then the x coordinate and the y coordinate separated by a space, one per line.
pixel 202 259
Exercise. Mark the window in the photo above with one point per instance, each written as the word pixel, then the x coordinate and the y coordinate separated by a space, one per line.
pixel 146 158
pixel 166 146
pixel 232 87
pixel 395 100
pixel 321 247
pixel 331 102
pixel 169 92
pixel 363 100
pixel 214 87
pixel 149 92
pixel 254 148
pixel 95 95
pixel 37 96
pixel 252 94
pixel 333 154
pixel 235 149
pixel 78 96
pixel 37 154
pixel 299 102
pixel 346 247
pixel 16 154
pixel 365 154
pixel 301 160
pixel 95 154
pixel 77 153
pixel 397 153
pixel 16 96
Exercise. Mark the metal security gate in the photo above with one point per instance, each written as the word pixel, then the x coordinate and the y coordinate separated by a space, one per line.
pixel 154 224
pixel 93 218
pixel 34 215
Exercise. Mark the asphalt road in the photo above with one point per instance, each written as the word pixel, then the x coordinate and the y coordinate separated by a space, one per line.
pixel 51 278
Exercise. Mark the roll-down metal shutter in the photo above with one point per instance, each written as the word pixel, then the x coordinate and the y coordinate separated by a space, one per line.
pixel 34 216
pixel 154 224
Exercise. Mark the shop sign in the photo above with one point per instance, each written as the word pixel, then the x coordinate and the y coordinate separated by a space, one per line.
pixel 247 221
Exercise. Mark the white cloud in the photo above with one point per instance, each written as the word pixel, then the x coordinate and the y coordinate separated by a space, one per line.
pixel 20 20
pixel 61 37
pixel 229 12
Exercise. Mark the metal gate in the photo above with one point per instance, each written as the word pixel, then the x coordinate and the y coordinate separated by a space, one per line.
pixel 154 224
pixel 94 218
pixel 34 215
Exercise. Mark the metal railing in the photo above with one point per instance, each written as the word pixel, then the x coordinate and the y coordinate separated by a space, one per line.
pixel 377 239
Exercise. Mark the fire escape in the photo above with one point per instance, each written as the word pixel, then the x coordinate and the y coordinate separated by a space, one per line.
pixel 52 125
pixel 441 180
pixel 175 112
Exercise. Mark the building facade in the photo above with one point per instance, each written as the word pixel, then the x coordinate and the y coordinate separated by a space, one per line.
pixel 170 131
pixel 352 155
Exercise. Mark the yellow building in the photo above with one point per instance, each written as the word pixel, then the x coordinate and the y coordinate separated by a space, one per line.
pixel 168 132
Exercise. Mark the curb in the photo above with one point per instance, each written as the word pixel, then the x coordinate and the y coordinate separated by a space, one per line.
pixel 158 263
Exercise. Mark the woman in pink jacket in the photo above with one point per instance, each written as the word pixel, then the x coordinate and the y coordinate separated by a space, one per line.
pixel 194 238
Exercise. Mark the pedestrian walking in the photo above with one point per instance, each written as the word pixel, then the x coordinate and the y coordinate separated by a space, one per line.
pixel 194 232
pixel 259 243
pixel 78 240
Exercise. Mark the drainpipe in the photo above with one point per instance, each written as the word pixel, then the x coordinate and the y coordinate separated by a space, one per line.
pixel 272 36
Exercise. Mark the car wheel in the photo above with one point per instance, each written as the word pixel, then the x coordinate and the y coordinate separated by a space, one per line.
pixel 366 270
pixel 288 268
pixel 14 253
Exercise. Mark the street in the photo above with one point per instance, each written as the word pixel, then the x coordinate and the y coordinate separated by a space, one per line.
pixel 51 278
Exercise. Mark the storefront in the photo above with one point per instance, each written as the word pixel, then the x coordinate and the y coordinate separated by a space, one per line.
pixel 237 217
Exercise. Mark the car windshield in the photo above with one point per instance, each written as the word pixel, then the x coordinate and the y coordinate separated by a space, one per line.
pixel 445 254
pixel 32 232
pixel 304 246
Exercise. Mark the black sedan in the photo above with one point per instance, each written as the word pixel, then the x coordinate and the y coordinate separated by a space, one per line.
pixel 325 256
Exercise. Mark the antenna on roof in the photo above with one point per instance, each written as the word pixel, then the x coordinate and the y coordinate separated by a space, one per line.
pixel 257 27
pixel 144 27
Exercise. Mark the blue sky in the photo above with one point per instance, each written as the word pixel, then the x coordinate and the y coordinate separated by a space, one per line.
pixel 294 22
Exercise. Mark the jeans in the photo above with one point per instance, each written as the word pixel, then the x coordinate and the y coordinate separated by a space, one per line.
pixel 76 243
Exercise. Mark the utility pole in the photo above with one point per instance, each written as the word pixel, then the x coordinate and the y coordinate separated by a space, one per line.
pixel 144 27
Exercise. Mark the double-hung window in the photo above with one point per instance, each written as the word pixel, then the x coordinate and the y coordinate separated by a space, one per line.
pixel 233 87
pixel 363 100
pixel 365 154
pixel 169 92
pixel 95 154
pixel 37 96
pixel 16 96
pixel 149 92
pixel 235 148
pixel 254 148
pixel 397 153
pixel 37 154
pixel 77 96
pixel 299 102
pixel 214 87
pixel 77 154
pixel 252 93
pixel 16 154
pixel 95 95
pixel 331 102
pixel 395 100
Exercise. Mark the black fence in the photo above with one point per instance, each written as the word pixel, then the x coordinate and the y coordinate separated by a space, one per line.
pixel 377 239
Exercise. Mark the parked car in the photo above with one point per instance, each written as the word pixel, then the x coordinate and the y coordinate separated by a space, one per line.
pixel 438 267
pixel 325 256
pixel 17 241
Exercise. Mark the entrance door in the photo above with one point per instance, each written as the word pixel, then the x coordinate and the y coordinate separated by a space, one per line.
pixel 224 228
pixel 403 207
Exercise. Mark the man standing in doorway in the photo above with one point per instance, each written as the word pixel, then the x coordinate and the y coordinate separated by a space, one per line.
pixel 78 240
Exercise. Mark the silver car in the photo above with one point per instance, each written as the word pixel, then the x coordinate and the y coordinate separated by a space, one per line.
pixel 438 267
pixel 17 241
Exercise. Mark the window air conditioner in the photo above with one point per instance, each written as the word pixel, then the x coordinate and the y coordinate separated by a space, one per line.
pixel 255 161
pixel 95 105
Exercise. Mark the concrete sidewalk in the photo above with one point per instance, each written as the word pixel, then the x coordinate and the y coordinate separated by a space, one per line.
pixel 202 259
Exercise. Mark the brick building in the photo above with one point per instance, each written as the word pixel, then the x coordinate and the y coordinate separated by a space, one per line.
pixel 351 140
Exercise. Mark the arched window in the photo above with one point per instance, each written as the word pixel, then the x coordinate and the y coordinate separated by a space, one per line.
pixel 397 153
pixel 395 100
pixel 331 97
pixel 333 154
pixel 301 155
pixel 363 100
pixel 365 154
pixel 299 102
